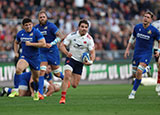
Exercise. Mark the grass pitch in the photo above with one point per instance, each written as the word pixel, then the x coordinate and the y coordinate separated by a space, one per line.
pixel 87 100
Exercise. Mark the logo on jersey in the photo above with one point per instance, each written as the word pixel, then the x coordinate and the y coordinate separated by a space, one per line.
pixel 44 32
pixel 31 34
pixel 84 42
pixel 134 62
pixel 46 27
pixel 149 32
pixel 143 36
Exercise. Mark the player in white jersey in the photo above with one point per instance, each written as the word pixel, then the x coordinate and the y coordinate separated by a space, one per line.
pixel 78 43
pixel 157 59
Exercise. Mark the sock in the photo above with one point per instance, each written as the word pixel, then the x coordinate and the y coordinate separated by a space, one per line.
pixel 136 84
pixel 35 86
pixel 144 71
pixel 8 90
pixel 158 78
pixel 61 75
pixel 41 84
pixel 63 94
pixel 16 80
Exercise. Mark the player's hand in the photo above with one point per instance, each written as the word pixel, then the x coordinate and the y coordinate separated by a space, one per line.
pixel 126 54
pixel 16 55
pixel 48 45
pixel 88 63
pixel 28 43
pixel 69 54
pixel 156 53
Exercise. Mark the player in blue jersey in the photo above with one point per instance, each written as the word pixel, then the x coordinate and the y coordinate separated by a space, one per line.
pixel 49 55
pixel 145 34
pixel 31 40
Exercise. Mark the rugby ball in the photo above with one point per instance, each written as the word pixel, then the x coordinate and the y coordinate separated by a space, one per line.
pixel 85 57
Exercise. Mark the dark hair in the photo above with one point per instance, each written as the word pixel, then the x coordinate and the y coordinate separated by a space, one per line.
pixel 150 13
pixel 42 11
pixel 26 20
pixel 83 21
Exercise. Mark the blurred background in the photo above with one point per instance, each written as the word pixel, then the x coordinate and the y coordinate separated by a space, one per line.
pixel 111 24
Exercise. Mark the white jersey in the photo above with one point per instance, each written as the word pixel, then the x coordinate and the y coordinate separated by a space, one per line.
pixel 157 25
pixel 78 44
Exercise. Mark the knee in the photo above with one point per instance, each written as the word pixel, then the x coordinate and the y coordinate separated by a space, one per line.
pixel 57 74
pixel 18 70
pixel 74 85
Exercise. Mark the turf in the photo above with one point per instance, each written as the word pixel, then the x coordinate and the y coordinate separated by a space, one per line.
pixel 87 100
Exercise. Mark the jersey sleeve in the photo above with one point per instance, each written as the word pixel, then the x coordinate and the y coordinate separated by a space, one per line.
pixel 53 28
pixel 67 40
pixel 39 35
pixel 91 45
pixel 50 77
pixel 18 37
pixel 157 35
pixel 134 31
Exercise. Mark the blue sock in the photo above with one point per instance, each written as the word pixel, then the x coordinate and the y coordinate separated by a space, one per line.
pixel 61 75
pixel 41 84
pixel 136 84
pixel 144 71
pixel 16 80
pixel 9 90
pixel 35 86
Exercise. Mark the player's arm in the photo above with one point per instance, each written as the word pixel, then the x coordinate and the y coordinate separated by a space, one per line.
pixel 131 42
pixel 59 37
pixel 64 50
pixel 39 44
pixel 16 48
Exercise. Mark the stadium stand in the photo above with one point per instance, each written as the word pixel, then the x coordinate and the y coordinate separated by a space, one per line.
pixel 111 21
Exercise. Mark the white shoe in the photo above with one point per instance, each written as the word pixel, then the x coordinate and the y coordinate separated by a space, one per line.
pixel 131 96
pixel 158 93
pixel 157 88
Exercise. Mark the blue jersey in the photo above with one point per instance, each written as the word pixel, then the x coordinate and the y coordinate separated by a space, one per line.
pixel 34 36
pixel 49 32
pixel 144 39
pixel 48 77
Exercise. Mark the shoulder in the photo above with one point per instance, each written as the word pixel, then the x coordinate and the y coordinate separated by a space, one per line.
pixel 89 36
pixel 20 32
pixel 138 25
pixel 50 24
pixel 36 26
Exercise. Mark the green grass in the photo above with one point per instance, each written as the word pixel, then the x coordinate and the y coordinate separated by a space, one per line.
pixel 88 100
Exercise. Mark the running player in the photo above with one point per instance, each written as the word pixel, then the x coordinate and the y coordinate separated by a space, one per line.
pixel 78 42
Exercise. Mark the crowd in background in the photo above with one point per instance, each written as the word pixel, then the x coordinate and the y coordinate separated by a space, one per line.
pixel 111 21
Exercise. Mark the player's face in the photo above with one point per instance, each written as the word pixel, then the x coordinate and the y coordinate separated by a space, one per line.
pixel 83 29
pixel 42 18
pixel 28 26
pixel 147 19
pixel 49 69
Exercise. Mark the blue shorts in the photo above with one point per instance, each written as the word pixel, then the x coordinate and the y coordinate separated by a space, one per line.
pixel 76 65
pixel 141 58
pixel 25 78
pixel 33 63
pixel 52 57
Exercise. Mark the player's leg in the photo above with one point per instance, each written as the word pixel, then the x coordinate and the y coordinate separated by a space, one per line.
pixel 67 77
pixel 75 80
pixel 158 78
pixel 137 82
pixel 22 64
pixel 43 68
pixel 49 89
pixel 5 90
pixel 57 71
pixel 35 77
